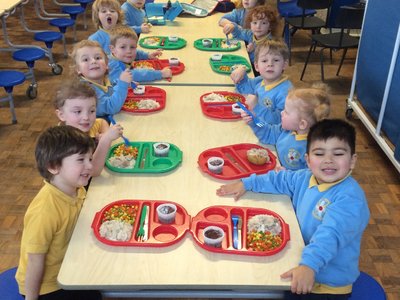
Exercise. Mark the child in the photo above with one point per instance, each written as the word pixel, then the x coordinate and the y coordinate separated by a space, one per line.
pixel 238 15
pixel 271 87
pixel 63 156
pixel 90 62
pixel 263 22
pixel 107 14
pixel 330 206
pixel 134 16
pixel 123 43
pixel 75 105
pixel 303 108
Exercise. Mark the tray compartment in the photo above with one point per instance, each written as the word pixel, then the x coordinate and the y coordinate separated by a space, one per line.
pixel 226 242
pixel 215 214
pixel 151 92
pixel 181 215
pixel 165 233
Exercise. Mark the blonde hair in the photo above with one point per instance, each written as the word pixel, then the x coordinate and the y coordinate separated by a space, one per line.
pixel 262 12
pixel 274 46
pixel 73 89
pixel 313 103
pixel 122 32
pixel 80 45
pixel 259 2
pixel 98 4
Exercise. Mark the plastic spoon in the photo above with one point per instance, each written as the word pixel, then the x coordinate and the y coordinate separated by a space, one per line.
pixel 112 121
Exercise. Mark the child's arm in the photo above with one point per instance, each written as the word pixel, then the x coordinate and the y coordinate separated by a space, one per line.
pixel 144 75
pixel 236 189
pixel 238 74
pixel 145 28
pixel 99 155
pixel 155 54
pixel 242 34
pixel 34 275
pixel 302 277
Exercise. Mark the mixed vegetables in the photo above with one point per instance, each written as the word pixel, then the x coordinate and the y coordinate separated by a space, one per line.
pixel 123 212
pixel 263 241
pixel 124 150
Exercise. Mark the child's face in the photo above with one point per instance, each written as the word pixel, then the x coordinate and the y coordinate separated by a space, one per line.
pixel 249 3
pixel 74 172
pixel 91 63
pixel 290 116
pixel 260 28
pixel 124 50
pixel 137 3
pixel 330 160
pixel 108 17
pixel 79 113
pixel 270 65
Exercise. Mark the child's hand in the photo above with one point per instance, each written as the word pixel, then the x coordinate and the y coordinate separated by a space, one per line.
pixel 166 72
pixel 279 168
pixel 155 54
pixel 126 76
pixel 228 28
pixel 251 47
pixel 238 74
pixel 246 117
pixel 236 189
pixel 114 132
pixel 145 27
pixel 302 277
pixel 251 101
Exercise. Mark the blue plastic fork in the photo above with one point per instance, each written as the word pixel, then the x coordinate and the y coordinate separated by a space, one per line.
pixel 258 122
pixel 112 121
pixel 227 40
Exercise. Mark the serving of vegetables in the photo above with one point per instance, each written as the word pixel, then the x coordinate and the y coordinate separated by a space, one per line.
pixel 123 212
pixel 263 241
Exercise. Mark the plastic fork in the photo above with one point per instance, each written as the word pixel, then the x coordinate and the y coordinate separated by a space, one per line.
pixel 227 40
pixel 257 121
pixel 235 220
pixel 112 121
pixel 141 232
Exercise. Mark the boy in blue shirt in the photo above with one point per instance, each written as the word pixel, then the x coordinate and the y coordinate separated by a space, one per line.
pixel 123 43
pixel 135 16
pixel 271 87
pixel 331 209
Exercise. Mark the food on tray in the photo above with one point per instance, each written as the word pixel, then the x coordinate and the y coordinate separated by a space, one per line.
pixel 161 149
pixel 166 213
pixel 141 104
pixel 215 97
pixel 124 156
pixel 121 212
pixel 224 68
pixel 232 44
pixel 232 98
pixel 263 233
pixel 152 41
pixel 139 90
pixel 173 61
pixel 258 156
pixel 215 164
pixel 115 230
pixel 141 64
pixel 213 236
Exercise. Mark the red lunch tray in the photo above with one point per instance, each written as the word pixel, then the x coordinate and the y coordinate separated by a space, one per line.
pixel 162 235
pixel 221 110
pixel 150 92
pixel 159 64
pixel 236 164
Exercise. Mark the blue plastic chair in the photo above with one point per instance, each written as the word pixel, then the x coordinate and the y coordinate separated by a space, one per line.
pixel 29 56
pixel 367 288
pixel 73 12
pixel 9 286
pixel 63 24
pixel 49 37
pixel 8 79
pixel 84 4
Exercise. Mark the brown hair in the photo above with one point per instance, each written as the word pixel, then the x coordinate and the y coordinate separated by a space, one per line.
pixel 313 103
pixel 262 12
pixel 98 4
pixel 73 89
pixel 275 46
pixel 80 45
pixel 122 32
pixel 57 143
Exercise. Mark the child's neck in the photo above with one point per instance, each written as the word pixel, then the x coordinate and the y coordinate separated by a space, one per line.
pixel 69 190
pixel 272 81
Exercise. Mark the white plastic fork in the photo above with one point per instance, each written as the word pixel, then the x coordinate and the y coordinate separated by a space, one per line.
pixel 258 122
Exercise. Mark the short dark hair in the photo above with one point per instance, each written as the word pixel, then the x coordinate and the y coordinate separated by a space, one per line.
pixel 58 142
pixel 333 128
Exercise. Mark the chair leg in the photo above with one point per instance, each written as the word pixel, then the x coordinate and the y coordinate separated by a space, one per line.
pixel 313 45
pixel 321 58
pixel 341 61
pixel 12 108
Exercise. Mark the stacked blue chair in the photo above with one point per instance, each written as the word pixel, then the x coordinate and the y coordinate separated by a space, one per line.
pixel 367 288
pixel 73 12
pixel 49 37
pixel 9 286
pixel 9 79
pixel 29 56
pixel 84 4
pixel 63 24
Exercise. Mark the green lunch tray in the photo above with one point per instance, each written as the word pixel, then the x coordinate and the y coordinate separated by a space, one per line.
pixel 161 42
pixel 147 161
pixel 218 44
pixel 227 61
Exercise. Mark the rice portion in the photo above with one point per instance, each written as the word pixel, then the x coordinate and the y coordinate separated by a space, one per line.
pixel 148 104
pixel 115 230
pixel 214 97
pixel 122 161
pixel 264 223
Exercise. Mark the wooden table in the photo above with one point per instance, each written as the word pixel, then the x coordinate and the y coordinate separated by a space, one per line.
pixel 183 269
pixel 7 5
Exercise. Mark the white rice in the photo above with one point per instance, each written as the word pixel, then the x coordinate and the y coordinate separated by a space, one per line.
pixel 115 230
pixel 263 223
pixel 122 161
pixel 148 104
pixel 213 97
